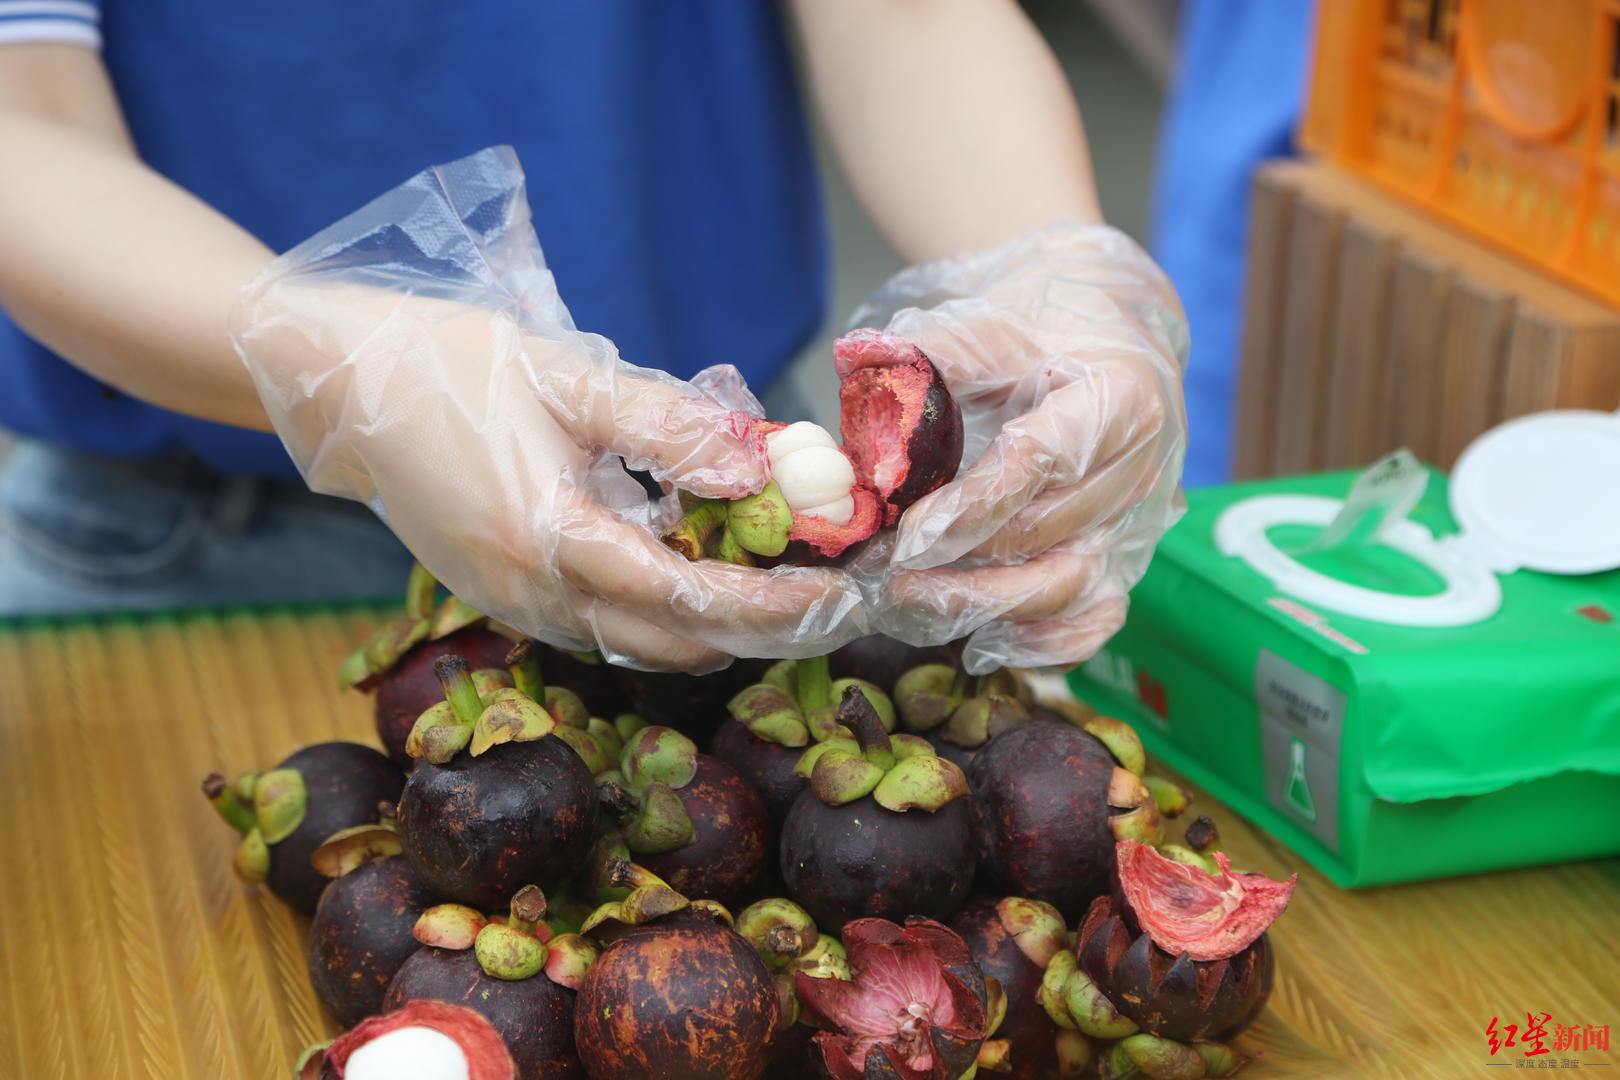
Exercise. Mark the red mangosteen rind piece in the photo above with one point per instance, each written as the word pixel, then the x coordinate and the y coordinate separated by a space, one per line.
pixel 900 425
pixel 533 1016
pixel 1175 997
pixel 916 1006
pixel 1186 910
pixel 486 1054
pixel 636 1006
pixel 362 933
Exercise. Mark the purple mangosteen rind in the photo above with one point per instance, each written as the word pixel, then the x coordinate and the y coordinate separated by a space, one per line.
pixel 766 766
pixel 1040 794
pixel 1032 1035
pixel 477 829
pixel 533 1016
pixel 634 1017
pixel 361 934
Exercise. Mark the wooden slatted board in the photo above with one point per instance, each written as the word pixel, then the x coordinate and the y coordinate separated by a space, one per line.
pixel 127 949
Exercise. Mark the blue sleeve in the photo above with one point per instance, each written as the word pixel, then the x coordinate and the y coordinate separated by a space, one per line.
pixel 31 22
pixel 1240 84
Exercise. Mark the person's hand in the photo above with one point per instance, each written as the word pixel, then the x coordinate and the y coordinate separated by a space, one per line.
pixel 422 364
pixel 1065 349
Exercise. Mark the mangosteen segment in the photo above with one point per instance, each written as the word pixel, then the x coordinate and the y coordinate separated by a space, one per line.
pixel 1185 910
pixel 900 425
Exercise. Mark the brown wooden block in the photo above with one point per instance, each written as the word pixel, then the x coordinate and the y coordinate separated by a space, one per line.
pixel 1271 208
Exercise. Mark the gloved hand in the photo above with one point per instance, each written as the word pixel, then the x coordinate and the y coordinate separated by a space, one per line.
pixel 1065 349
pixel 416 357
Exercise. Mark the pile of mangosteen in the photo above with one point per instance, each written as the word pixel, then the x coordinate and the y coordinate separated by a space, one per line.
pixel 861 866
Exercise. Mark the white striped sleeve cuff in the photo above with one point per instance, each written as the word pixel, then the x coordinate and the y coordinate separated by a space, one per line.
pixel 30 22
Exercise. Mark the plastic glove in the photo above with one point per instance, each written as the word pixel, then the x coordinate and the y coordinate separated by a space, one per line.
pixel 1065 349
pixel 416 357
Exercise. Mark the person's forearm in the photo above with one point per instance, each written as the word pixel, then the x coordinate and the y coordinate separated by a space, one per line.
pixel 951 118
pixel 113 267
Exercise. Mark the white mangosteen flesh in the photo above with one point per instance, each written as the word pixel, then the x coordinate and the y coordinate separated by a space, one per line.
pixel 779 444
pixel 408 1053
pixel 814 476
pixel 839 511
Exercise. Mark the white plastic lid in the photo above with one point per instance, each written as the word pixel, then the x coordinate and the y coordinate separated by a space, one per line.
pixel 1542 492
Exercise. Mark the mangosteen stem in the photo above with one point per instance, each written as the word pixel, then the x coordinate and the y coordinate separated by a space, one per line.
pixel 455 676
pixel 617 799
pixel 691 534
pixel 856 713
pixel 528 908
pixel 524 663
pixel 814 683
pixel 237 814
pixel 419 592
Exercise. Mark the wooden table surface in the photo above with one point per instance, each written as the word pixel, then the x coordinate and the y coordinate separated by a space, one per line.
pixel 128 949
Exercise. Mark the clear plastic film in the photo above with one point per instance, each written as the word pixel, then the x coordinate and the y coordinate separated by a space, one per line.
pixel 416 357
pixel 1065 349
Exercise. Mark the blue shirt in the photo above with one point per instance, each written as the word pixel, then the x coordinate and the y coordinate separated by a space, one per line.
pixel 1240 81
pixel 669 169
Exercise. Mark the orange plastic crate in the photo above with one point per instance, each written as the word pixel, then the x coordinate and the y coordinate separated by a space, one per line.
pixel 1499 116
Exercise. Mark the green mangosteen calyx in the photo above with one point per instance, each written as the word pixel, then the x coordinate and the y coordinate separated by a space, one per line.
pixel 779 929
pixel 650 898
pixel 655 764
pixel 797 702
pixel 469 720
pixel 900 772
pixel 515 946
pixel 348 849
pixel 395 637
pixel 280 802
pixel 972 711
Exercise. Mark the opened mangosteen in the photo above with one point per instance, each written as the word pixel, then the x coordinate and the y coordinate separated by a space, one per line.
pixel 687 817
pixel 422 1040
pixel 1012 941
pixel 773 720
pixel 915 1007
pixel 902 438
pixel 1051 801
pixel 1185 955
pixel 363 927
pixel 288 812
pixel 512 970
pixel 884 828
pixel 676 995
pixel 496 801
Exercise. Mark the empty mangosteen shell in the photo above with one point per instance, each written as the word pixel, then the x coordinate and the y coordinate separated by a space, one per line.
pixel 345 784
pixel 861 860
pixel 731 836
pixel 1174 997
pixel 1026 1026
pixel 1040 793
pixel 534 1016
pixel 361 934
pixel 764 765
pixel 932 445
pixel 407 689
pixel 636 1008
pixel 478 829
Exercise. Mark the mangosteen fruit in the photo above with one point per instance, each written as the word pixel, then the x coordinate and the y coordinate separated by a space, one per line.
pixel 1012 940
pixel 688 817
pixel 786 938
pixel 677 994
pixel 881 660
pixel 915 1006
pixel 691 704
pixel 397 660
pixel 496 801
pixel 884 828
pixel 773 720
pixel 902 438
pixel 514 971
pixel 1051 801
pixel 422 1040
pixel 288 812
pixel 363 927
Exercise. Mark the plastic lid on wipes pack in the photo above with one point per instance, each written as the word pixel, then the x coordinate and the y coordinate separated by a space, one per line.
pixel 1541 493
